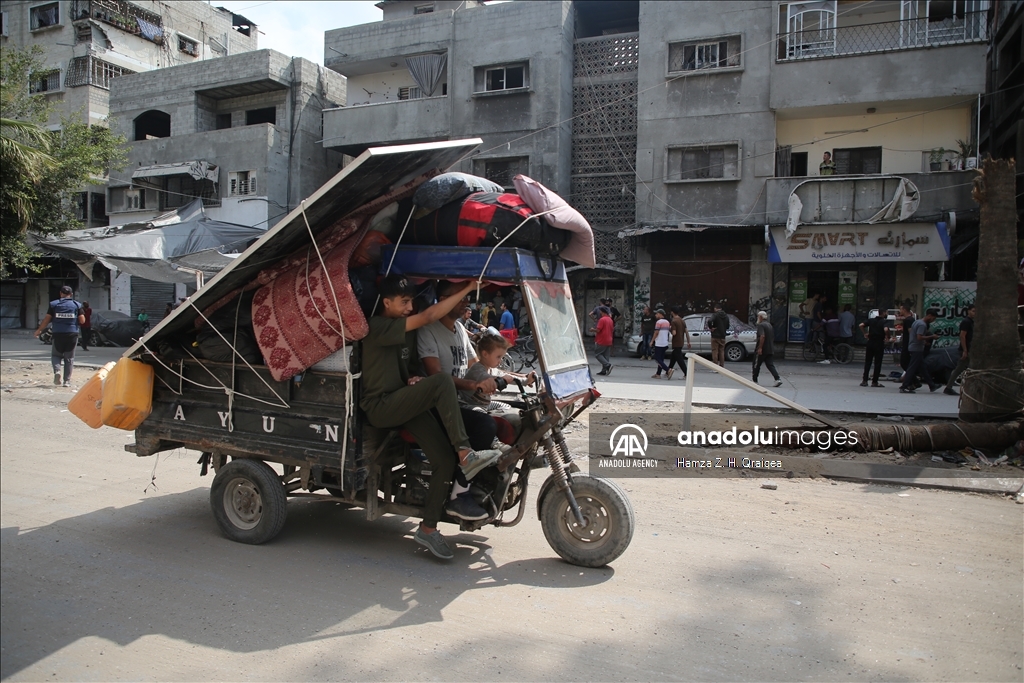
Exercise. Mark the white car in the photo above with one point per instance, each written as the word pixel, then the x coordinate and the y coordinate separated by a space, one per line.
pixel 740 340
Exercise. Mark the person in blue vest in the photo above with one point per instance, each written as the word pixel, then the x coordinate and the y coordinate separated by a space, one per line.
pixel 67 317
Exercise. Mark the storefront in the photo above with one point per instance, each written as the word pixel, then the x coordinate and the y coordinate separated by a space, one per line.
pixel 866 266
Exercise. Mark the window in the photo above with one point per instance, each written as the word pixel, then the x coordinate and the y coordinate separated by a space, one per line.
pixel 719 53
pixel 423 9
pixel 267 115
pixel 409 92
pixel 81 206
pixel 98 206
pixel 858 160
pixel 242 183
pixel 46 81
pixel 152 124
pixel 44 16
pixel 92 71
pixel 223 121
pixel 83 33
pixel 790 164
pixel 3 24
pixel 499 78
pixel 127 199
pixel 502 171
pixel 715 161
pixel 188 46
pixel 179 190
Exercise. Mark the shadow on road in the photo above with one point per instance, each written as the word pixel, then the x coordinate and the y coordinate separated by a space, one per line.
pixel 160 566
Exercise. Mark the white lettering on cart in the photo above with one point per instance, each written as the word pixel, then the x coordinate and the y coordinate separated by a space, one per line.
pixel 268 424
pixel 223 418
pixel 331 433
pixel 179 414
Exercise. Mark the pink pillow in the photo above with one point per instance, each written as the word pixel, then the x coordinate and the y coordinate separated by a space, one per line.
pixel 539 198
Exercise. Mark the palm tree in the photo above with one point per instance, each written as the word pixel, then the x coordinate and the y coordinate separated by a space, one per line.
pixel 24 156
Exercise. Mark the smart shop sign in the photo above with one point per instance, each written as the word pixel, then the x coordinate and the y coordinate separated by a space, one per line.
pixel 857 243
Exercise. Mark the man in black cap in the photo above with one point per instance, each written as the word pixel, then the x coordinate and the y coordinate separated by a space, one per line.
pixel 67 317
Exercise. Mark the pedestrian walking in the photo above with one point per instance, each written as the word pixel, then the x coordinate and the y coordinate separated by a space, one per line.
pixel 646 333
pixel 846 324
pixel 765 348
pixel 679 335
pixel 662 333
pixel 604 337
pixel 908 319
pixel 66 315
pixel 719 324
pixel 966 337
pixel 919 336
pixel 877 334
pixel 86 331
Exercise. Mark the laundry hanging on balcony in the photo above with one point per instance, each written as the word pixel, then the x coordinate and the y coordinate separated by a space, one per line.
pixel 427 71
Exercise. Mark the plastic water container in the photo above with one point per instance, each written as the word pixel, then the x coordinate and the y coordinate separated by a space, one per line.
pixel 127 394
pixel 85 404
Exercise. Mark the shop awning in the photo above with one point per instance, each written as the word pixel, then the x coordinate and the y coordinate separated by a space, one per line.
pixel 198 169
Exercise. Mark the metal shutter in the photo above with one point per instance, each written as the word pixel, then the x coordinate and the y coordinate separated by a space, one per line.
pixel 12 302
pixel 152 296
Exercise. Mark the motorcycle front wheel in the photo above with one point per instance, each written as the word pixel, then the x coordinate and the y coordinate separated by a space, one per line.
pixel 609 517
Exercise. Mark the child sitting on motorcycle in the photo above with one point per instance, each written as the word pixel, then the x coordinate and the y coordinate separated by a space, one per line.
pixel 490 349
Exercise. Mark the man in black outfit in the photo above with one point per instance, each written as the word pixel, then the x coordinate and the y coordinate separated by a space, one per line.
pixel 908 321
pixel 765 348
pixel 966 337
pixel 877 333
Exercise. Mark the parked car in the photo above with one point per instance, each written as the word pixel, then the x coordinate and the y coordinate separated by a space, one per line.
pixel 741 339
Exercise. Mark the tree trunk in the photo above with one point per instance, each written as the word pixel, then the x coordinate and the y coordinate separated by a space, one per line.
pixel 993 387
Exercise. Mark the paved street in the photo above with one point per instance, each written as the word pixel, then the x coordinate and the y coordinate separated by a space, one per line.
pixel 832 388
pixel 109 576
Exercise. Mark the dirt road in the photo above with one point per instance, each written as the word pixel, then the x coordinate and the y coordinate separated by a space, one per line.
pixel 104 579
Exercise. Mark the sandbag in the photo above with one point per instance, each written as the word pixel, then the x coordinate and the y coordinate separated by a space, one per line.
pixel 449 187
pixel 483 219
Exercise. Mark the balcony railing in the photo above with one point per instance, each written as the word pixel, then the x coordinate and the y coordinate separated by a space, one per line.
pixel 887 36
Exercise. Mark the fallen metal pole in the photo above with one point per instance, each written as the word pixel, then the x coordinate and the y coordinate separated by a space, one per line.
pixel 693 358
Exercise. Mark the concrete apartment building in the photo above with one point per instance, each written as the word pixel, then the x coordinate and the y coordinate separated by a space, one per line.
pixel 682 133
pixel 242 133
pixel 88 45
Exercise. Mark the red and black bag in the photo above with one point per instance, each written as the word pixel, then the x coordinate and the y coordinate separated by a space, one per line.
pixel 483 219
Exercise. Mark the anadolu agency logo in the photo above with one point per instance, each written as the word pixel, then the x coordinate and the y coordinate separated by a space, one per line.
pixel 629 439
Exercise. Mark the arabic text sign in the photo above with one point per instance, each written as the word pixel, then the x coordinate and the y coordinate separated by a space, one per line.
pixel 951 300
pixel 853 243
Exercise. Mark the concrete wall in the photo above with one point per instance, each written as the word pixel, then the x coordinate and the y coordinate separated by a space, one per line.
pixel 709 107
pixel 514 124
pixel 198 20
pixel 887 77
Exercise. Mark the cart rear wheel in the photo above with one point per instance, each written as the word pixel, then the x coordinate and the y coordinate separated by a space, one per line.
pixel 248 501
pixel 609 517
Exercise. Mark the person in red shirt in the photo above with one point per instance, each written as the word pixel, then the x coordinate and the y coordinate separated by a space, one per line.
pixel 603 339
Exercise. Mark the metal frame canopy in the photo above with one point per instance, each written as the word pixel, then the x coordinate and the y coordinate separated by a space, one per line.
pixel 371 175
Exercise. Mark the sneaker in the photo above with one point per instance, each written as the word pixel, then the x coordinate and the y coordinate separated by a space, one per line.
pixel 608 370
pixel 498 445
pixel 602 373
pixel 56 379
pixel 464 507
pixel 655 376
pixel 778 383
pixel 933 387
pixel 435 543
pixel 864 383
pixel 671 371
pixel 876 385
pixel 478 460
pixel 824 362
pixel 950 392
pixel 67 384
pixel 905 390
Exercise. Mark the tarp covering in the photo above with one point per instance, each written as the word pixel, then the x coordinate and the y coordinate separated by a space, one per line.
pixel 156 249
pixel 198 169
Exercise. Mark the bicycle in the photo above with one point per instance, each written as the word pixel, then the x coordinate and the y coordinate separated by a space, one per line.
pixel 522 354
pixel 816 350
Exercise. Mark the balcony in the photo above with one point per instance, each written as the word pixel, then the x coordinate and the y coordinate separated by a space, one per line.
pixel 353 129
pixel 908 34
pixel 841 200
